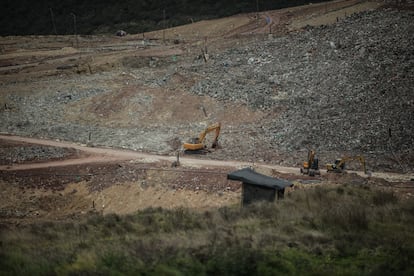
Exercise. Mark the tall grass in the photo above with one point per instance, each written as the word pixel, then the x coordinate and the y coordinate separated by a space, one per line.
pixel 348 230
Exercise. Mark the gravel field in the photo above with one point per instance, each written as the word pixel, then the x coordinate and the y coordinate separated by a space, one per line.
pixel 340 89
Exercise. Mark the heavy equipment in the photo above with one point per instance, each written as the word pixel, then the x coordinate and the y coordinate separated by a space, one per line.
pixel 197 143
pixel 339 165
pixel 311 166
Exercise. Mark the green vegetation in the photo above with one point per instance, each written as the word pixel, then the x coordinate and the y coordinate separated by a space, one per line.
pixel 342 230
pixel 24 17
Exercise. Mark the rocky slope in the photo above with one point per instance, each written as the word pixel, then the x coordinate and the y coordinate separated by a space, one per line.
pixel 345 88
pixel 340 89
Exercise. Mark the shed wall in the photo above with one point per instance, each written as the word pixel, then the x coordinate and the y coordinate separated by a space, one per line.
pixel 253 193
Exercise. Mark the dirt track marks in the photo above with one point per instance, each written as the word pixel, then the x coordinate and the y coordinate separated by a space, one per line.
pixel 107 155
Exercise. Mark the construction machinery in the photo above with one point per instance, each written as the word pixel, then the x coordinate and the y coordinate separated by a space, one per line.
pixel 339 165
pixel 197 143
pixel 311 166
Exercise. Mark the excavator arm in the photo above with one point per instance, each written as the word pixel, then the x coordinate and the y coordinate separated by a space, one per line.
pixel 339 164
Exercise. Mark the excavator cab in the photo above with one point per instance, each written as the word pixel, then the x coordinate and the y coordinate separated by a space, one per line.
pixel 194 141
pixel 339 164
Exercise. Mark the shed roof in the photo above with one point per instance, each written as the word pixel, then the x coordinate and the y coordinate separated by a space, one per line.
pixel 249 176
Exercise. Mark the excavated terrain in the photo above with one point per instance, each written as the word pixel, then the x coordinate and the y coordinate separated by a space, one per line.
pixel 341 89
pixel 341 85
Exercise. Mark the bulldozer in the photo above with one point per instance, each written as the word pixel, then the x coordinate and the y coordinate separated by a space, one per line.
pixel 311 166
pixel 197 144
pixel 339 165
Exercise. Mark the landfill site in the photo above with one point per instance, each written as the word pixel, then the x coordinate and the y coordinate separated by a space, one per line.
pixel 99 123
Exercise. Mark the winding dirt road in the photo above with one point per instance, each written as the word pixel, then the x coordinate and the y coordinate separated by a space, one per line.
pixel 109 155
pixel 106 155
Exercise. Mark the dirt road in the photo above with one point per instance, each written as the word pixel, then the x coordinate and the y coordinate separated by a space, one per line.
pixel 109 155
pixel 146 94
pixel 96 155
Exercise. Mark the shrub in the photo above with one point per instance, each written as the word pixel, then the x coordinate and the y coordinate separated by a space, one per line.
pixel 163 269
pixel 184 219
pixel 346 215
pixel 274 264
pixel 233 260
pixel 261 209
pixel 330 233
pixel 340 191
pixel 229 214
pixel 17 263
pixel 84 263
pixel 382 197
pixel 183 264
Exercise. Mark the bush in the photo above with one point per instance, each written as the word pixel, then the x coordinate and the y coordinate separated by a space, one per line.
pixel 382 197
pixel 317 231
pixel 233 261
pixel 346 215
pixel 16 262
pixel 274 264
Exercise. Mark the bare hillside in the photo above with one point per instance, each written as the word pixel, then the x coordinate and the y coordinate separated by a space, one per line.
pixel 336 77
pixel 344 88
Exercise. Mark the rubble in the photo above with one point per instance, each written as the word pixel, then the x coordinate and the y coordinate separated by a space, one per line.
pixel 343 86
pixel 12 155
pixel 338 89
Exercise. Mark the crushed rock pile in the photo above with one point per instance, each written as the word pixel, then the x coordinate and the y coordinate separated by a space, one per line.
pixel 11 155
pixel 345 88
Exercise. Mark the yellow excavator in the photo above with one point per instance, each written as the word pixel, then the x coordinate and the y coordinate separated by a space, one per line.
pixel 311 166
pixel 197 143
pixel 339 165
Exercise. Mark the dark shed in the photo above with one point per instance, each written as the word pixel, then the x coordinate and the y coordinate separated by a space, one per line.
pixel 258 186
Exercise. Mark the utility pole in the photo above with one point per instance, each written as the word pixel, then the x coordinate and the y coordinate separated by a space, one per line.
pixel 53 21
pixel 163 26
pixel 74 24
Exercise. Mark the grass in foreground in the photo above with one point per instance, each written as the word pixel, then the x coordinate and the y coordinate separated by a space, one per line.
pixel 342 230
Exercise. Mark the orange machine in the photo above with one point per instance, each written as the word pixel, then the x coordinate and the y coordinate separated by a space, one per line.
pixel 339 165
pixel 311 166
pixel 197 143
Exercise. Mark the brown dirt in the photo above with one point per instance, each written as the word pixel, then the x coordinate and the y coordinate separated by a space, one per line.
pixel 9 145
pixel 38 56
pixel 124 182
pixel 115 181
pixel 67 192
pixel 173 106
